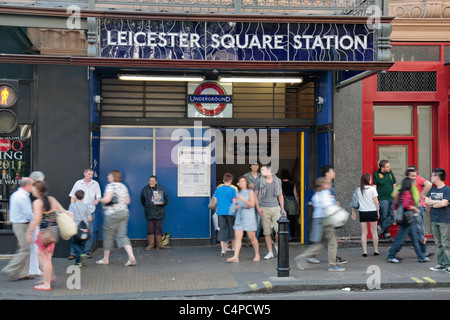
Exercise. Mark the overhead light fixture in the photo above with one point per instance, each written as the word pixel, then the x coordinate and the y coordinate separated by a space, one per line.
pixel 141 77
pixel 263 79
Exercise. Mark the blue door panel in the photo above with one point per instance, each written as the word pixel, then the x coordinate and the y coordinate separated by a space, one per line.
pixel 134 158
pixel 130 150
pixel 186 217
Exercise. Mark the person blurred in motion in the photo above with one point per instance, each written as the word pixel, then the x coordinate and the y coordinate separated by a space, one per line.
pixel 328 172
pixel 20 215
pixel 45 208
pixel 115 223
pixel 423 186
pixel 368 212
pixel 34 260
pixel 322 236
pixel 404 201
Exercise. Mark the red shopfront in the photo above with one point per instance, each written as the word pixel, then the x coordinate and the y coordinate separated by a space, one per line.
pixel 405 116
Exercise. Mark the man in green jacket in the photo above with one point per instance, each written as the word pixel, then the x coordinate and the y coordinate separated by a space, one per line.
pixel 384 181
pixel 154 198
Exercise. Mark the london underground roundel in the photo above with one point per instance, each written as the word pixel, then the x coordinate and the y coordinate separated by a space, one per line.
pixel 210 99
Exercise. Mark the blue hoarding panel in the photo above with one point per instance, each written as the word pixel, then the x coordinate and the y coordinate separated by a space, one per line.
pixel 134 159
pixel 186 217
pixel 138 155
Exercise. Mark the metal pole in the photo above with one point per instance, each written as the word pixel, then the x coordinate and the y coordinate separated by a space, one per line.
pixel 283 246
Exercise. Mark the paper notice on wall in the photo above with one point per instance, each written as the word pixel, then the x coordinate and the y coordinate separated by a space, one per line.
pixel 397 155
pixel 194 172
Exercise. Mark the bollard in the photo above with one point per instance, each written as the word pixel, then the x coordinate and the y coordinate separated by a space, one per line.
pixel 283 246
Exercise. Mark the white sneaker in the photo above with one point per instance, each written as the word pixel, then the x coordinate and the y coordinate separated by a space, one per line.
pixel 313 260
pixel 268 256
pixel 300 260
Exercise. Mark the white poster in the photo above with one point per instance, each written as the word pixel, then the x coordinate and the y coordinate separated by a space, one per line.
pixel 194 171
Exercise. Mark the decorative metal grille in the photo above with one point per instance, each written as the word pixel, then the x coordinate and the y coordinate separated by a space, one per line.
pixel 407 81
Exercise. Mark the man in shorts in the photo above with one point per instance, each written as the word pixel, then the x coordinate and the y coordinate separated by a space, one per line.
pixel 269 205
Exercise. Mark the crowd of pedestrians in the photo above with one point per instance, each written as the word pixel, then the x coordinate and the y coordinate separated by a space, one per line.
pixel 33 214
pixel 255 205
pixel 405 204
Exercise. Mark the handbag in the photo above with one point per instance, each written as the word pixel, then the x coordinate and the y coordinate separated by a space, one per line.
pixel 83 231
pixel 403 218
pixel 114 200
pixel 336 216
pixel 212 203
pixel 66 225
pixel 165 238
pixel 215 220
pixel 290 205
pixel 47 237
pixel 355 202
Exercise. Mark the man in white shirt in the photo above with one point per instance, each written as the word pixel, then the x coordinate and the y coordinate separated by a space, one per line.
pixel 20 215
pixel 92 193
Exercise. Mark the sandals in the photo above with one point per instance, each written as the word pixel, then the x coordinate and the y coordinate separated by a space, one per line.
pixel 101 262
pixel 42 288
pixel 131 263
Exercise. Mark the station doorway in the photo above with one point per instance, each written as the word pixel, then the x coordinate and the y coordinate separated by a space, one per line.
pixel 286 150
pixel 281 116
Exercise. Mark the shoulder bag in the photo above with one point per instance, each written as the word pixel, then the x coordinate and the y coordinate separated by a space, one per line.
pixel 66 225
pixel 47 237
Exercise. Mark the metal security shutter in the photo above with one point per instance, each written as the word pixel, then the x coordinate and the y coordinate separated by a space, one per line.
pixel 141 99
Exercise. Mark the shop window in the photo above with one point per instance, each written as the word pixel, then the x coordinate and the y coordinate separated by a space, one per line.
pixel 446 53
pixel 407 81
pixel 424 140
pixel 415 53
pixel 392 120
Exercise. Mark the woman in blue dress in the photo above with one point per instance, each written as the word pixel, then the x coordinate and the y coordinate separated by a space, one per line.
pixel 245 219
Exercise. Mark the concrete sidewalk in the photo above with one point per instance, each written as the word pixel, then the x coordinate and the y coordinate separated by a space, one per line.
pixel 200 271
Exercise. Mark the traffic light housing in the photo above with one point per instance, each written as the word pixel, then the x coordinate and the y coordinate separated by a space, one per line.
pixel 9 93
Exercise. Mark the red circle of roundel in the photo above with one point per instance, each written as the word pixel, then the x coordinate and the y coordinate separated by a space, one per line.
pixel 5 145
pixel 202 109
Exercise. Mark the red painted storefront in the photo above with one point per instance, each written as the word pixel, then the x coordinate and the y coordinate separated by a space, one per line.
pixel 437 101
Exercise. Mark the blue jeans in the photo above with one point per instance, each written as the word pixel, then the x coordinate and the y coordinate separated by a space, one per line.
pixel 386 214
pixel 403 232
pixel 421 228
pixel 441 234
pixel 78 247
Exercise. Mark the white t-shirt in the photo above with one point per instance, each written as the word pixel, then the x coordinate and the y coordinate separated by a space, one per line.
pixel 366 199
